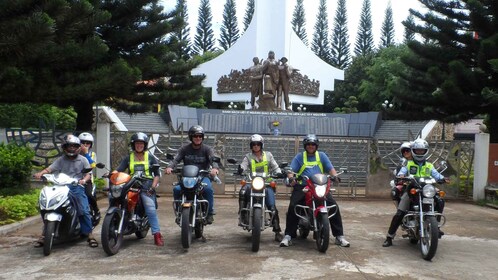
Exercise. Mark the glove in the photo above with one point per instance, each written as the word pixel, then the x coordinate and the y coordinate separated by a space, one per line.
pixel 336 179
pixel 151 192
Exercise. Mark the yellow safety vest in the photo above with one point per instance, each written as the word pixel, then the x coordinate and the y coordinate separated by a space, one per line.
pixel 421 171
pixel 307 163
pixel 264 163
pixel 145 162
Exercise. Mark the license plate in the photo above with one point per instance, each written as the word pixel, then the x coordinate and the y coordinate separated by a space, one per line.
pixel 427 200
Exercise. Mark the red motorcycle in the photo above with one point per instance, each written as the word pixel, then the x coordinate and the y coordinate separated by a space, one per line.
pixel 315 214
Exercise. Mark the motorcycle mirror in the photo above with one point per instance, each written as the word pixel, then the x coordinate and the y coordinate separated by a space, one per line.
pixel 36 163
pixel 283 164
pixel 231 160
pixel 343 170
pixel 86 170
pixel 100 165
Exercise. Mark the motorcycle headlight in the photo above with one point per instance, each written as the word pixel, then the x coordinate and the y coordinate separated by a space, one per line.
pixel 429 191
pixel 189 182
pixel 116 190
pixel 320 190
pixel 258 183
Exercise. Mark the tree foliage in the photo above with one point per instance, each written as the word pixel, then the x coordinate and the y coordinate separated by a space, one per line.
pixel 182 35
pixel 320 44
pixel 453 75
pixel 204 38
pixel 340 56
pixel 387 30
pixel 364 39
pixel 299 21
pixel 229 29
pixel 248 14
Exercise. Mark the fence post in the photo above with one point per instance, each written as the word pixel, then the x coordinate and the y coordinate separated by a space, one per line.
pixel 481 158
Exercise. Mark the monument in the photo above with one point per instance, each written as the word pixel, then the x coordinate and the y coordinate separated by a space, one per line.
pixel 229 74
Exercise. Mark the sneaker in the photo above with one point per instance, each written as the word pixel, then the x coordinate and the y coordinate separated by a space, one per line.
pixel 341 241
pixel 278 236
pixel 286 242
pixel 158 239
pixel 209 219
pixel 388 242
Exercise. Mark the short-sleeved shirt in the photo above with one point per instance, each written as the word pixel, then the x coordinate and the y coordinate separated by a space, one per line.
pixel 70 167
pixel 298 162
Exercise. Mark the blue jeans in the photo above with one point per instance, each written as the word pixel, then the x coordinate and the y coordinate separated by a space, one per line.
pixel 149 203
pixel 208 193
pixel 78 192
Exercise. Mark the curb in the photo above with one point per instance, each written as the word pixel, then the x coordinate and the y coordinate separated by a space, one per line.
pixel 6 229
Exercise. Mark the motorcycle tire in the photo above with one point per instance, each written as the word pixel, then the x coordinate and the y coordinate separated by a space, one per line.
pixel 256 229
pixel 322 232
pixel 428 245
pixel 48 239
pixel 199 227
pixel 142 232
pixel 185 226
pixel 111 240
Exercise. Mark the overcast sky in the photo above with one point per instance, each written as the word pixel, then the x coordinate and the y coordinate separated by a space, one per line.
pixel 378 8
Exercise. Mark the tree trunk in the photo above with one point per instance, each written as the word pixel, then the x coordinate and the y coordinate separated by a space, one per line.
pixel 84 118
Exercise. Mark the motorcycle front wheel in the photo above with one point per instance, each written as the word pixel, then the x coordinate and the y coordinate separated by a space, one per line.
pixel 111 239
pixel 428 244
pixel 322 232
pixel 199 225
pixel 48 240
pixel 256 229
pixel 186 231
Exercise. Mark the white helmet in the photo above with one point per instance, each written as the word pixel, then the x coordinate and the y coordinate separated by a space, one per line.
pixel 404 147
pixel 256 138
pixel 85 136
pixel 420 149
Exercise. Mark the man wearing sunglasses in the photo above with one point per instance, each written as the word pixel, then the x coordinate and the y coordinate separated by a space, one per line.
pixel 198 154
pixel 308 163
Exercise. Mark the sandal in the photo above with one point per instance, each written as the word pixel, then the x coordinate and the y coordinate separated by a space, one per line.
pixel 92 242
pixel 39 243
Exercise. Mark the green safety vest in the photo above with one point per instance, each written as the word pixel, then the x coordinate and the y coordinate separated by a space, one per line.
pixel 307 163
pixel 145 162
pixel 264 163
pixel 420 171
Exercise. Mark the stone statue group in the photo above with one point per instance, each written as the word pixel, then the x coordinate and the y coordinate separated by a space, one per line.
pixel 270 80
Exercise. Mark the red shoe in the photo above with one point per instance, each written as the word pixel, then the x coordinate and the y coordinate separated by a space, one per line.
pixel 158 239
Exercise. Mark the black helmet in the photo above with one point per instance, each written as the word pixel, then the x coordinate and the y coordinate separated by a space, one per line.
pixel 195 130
pixel 139 137
pixel 310 139
pixel 71 145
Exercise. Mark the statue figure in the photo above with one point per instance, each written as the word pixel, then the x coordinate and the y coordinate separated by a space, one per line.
pixel 256 80
pixel 284 73
pixel 270 74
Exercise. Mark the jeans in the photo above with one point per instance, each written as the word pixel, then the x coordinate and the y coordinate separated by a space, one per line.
pixel 208 193
pixel 149 203
pixel 269 196
pixel 78 192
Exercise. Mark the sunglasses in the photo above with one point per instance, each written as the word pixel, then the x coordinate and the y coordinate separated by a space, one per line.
pixel 74 145
pixel 197 136
pixel 255 144
pixel 311 144
pixel 86 143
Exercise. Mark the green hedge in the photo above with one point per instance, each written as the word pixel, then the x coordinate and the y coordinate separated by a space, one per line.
pixel 18 207
pixel 15 166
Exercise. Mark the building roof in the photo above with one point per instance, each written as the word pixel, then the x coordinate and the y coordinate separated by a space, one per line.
pixel 144 122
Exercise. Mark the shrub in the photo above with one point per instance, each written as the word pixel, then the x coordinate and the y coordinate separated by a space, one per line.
pixel 15 166
pixel 18 207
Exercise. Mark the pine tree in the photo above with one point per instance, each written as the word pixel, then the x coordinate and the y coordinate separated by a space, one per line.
pixel 409 35
pixel 182 36
pixel 299 22
pixel 249 13
pixel 340 56
pixel 320 44
pixel 454 76
pixel 364 39
pixel 204 39
pixel 387 32
pixel 229 29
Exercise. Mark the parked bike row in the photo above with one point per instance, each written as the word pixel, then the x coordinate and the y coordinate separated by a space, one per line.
pixel 312 208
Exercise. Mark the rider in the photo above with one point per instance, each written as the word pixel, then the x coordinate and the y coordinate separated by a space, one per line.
pixel 308 163
pixel 261 161
pixel 140 156
pixel 417 167
pixel 86 140
pixel 72 164
pixel 406 153
pixel 199 154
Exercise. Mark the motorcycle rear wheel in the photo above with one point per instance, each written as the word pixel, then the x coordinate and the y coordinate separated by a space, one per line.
pixel 322 232
pixel 428 245
pixel 256 229
pixel 48 240
pixel 111 240
pixel 186 231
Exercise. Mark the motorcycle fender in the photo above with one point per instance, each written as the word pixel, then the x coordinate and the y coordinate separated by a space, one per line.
pixel 53 217
pixel 187 205
pixel 257 205
pixel 111 210
pixel 321 209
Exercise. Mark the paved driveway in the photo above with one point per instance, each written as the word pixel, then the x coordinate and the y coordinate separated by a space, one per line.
pixel 469 250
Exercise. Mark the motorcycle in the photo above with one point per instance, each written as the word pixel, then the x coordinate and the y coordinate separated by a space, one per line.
pixel 191 211
pixel 254 216
pixel 421 222
pixel 58 210
pixel 126 214
pixel 315 214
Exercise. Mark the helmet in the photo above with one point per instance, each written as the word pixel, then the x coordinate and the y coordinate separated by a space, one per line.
pixel 85 136
pixel 196 129
pixel 138 137
pixel 420 149
pixel 310 139
pixel 406 146
pixel 71 145
pixel 256 138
